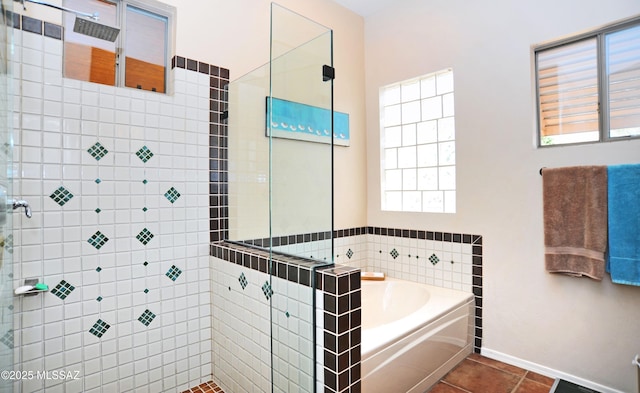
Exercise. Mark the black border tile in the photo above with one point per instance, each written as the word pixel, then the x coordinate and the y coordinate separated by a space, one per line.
pixel 31 25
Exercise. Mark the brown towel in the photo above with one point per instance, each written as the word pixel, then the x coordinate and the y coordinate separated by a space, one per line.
pixel 575 220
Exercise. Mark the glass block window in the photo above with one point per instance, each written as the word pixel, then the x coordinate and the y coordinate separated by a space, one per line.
pixel 588 88
pixel 417 145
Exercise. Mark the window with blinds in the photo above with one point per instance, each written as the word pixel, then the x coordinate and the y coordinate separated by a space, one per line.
pixel 588 87
pixel 138 58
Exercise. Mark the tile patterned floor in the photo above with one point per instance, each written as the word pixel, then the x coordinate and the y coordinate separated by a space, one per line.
pixel 478 374
pixel 207 387
pixel 475 374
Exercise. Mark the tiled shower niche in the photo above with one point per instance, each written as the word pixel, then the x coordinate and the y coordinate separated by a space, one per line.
pixel 118 180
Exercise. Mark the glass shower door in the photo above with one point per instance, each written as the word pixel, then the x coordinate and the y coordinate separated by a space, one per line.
pixel 6 145
pixel 300 130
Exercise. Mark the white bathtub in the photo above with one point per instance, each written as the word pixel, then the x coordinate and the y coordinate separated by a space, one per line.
pixel 412 334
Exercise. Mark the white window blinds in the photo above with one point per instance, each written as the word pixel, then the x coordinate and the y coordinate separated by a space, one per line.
pixel 588 86
pixel 568 90
pixel 623 80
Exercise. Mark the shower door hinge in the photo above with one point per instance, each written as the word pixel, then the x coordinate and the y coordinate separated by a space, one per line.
pixel 328 73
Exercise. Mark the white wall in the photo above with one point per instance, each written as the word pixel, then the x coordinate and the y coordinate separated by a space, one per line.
pixel 580 327
pixel 235 35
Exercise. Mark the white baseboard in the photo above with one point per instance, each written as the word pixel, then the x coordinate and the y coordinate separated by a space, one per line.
pixel 546 371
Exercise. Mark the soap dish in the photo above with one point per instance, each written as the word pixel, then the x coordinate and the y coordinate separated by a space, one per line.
pixel 31 287
pixel 374 276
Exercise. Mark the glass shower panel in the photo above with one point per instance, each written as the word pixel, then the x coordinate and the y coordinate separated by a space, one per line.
pixel 280 184
pixel 300 129
pixel 6 144
pixel 248 152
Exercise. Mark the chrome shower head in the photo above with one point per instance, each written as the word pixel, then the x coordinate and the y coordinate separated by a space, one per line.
pixel 92 28
pixel 85 23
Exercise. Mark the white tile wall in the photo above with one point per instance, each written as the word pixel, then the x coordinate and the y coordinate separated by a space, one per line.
pixel 55 121
pixel 242 328
pixel 240 363
pixel 373 253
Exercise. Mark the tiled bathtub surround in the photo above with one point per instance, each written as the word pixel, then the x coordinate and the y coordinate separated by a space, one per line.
pixel 448 260
pixel 118 182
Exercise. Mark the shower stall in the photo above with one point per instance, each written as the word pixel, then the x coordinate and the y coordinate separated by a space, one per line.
pixel 178 238
pixel 268 319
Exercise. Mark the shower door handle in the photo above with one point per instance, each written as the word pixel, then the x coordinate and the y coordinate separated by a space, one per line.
pixel 21 203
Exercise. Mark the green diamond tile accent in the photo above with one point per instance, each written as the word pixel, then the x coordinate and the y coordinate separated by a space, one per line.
pixel 146 290
pixel 172 195
pixel 394 253
pixel 173 273
pixel 98 269
pixel 349 253
pixel 146 317
pixel 434 259
pixel 145 236
pixel 63 289
pixel 144 209
pixel 267 290
pixel 97 151
pixel 98 240
pixel 99 298
pixel 98 181
pixel 287 314
pixel 243 281
pixel 145 263
pixel 61 196
pixel 98 210
pixel 8 244
pixel 145 181
pixel 99 328
pixel 144 154
pixel 7 338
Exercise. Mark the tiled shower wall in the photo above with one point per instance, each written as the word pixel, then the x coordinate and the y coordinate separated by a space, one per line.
pixel 118 180
pixel 262 321
pixel 243 328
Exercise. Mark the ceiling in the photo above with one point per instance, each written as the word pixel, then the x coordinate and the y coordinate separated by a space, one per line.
pixel 365 7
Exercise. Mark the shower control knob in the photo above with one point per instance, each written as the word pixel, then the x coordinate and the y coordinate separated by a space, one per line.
pixel 21 203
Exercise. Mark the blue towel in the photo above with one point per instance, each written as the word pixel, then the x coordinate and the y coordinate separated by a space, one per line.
pixel 623 260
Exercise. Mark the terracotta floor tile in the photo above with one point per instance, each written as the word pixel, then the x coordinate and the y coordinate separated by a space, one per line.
pixel 204 388
pixel 442 387
pixel 546 381
pixel 497 364
pixel 477 377
pixel 529 386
